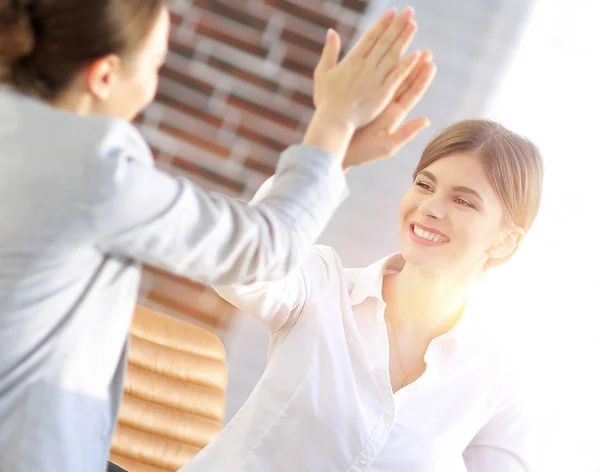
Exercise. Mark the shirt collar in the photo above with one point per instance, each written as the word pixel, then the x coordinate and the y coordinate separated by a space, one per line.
pixel 369 283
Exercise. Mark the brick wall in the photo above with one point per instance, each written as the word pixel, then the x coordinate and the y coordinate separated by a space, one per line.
pixel 235 91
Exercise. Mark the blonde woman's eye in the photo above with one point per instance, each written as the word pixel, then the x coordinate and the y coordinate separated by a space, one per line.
pixel 463 202
pixel 424 185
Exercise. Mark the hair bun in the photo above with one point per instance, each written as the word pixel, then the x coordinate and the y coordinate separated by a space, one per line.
pixel 17 37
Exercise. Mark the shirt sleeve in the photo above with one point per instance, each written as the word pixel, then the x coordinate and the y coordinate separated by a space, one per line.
pixel 280 302
pixel 273 303
pixel 506 443
pixel 147 215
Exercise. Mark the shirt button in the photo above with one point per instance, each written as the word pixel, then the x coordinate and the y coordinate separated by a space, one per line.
pixel 362 462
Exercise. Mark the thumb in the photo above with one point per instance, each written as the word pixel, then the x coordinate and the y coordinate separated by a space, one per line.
pixel 330 54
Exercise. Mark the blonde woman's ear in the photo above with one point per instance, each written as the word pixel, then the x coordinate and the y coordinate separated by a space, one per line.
pixel 495 253
pixel 508 245
pixel 514 238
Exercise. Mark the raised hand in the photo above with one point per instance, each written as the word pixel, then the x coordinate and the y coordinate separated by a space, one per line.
pixel 386 135
pixel 364 82
pixel 351 94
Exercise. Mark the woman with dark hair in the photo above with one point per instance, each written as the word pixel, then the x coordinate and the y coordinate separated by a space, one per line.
pixel 388 368
pixel 82 206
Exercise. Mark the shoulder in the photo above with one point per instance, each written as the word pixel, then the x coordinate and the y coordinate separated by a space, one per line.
pixel 115 153
pixel 115 140
pixel 323 267
pixel 62 135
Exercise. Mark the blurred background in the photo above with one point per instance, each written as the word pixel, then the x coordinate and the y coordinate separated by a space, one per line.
pixel 236 91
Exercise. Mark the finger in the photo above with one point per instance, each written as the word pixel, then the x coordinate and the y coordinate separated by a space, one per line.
pixel 390 118
pixel 417 89
pixel 411 77
pixel 425 58
pixel 407 133
pixel 405 38
pixel 378 28
pixel 388 144
pixel 399 73
pixel 390 35
pixel 396 51
pixel 331 53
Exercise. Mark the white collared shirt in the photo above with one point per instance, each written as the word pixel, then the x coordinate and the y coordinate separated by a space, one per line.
pixel 325 402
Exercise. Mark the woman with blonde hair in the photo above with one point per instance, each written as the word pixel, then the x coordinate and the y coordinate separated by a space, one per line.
pixel 388 368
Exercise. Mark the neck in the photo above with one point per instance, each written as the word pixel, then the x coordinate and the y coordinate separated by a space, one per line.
pixel 75 98
pixel 73 102
pixel 425 304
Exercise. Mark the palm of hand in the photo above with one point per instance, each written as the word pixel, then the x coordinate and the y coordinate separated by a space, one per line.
pixel 386 135
pixel 374 140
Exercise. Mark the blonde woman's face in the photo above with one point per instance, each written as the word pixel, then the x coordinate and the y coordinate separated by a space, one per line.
pixel 451 220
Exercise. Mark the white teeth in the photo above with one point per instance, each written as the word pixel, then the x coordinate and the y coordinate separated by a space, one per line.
pixel 426 235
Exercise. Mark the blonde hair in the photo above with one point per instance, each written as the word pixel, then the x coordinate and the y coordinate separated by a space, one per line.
pixel 512 163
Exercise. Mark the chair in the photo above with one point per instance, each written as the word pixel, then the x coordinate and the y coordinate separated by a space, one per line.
pixel 174 399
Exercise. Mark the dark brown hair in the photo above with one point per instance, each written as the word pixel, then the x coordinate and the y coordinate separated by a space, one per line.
pixel 512 163
pixel 45 43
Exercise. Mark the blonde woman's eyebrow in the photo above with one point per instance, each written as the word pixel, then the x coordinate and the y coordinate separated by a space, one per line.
pixel 459 188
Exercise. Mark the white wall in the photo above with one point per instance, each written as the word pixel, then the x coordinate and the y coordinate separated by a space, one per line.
pixel 550 92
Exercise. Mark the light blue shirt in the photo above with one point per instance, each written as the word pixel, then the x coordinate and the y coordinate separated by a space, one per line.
pixel 81 207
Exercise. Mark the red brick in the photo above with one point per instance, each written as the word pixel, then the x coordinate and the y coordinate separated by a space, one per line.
pixel 308 43
pixel 299 83
pixel 196 112
pixel 266 132
pixel 221 181
pixel 176 19
pixel 313 31
pixel 303 99
pixel 302 56
pixel 301 26
pixel 178 47
pixel 358 6
pixel 196 140
pixel 267 169
pixel 243 74
pixel 187 100
pixel 159 140
pixel 211 26
pixel 264 138
pixel 187 297
pixel 238 13
pixel 294 65
pixel 304 12
pixel 263 111
pixel 188 80
pixel 257 99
